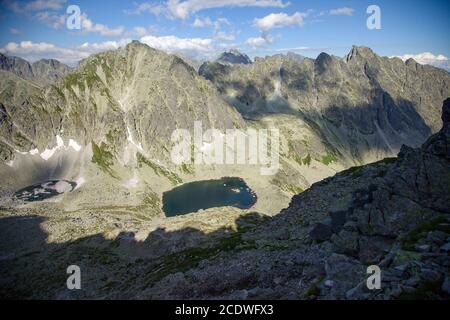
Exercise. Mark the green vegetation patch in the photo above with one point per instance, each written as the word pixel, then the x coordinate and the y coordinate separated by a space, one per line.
pixel 20 139
pixel 424 290
pixel 328 159
pixel 187 169
pixel 190 258
pixel 409 240
pixel 293 189
pixel 387 160
pixel 160 171
pixel 152 200
pixel 102 157
pixel 313 289
pixel 307 160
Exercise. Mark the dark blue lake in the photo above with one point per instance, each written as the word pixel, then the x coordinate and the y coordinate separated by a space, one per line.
pixel 193 196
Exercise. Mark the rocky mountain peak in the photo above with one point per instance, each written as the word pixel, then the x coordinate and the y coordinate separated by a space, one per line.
pixel 43 71
pixel 233 57
pixel 323 62
pixel 360 52
pixel 410 61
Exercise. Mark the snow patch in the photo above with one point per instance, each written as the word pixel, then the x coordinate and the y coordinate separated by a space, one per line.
pixel 79 181
pixel 132 183
pixel 74 145
pixel 130 139
pixel 48 153
pixel 62 187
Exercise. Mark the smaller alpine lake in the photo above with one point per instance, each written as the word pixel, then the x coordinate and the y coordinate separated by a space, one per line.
pixel 194 196
pixel 45 190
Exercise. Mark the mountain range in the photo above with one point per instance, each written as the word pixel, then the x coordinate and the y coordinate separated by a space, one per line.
pixel 107 124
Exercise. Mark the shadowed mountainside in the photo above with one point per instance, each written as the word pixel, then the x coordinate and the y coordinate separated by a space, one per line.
pixel 393 213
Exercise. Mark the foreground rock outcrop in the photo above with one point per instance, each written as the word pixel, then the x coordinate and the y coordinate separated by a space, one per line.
pixel 394 214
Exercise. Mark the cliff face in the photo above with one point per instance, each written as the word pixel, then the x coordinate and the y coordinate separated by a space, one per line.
pixel 42 72
pixel 350 104
pixel 393 214
pixel 133 91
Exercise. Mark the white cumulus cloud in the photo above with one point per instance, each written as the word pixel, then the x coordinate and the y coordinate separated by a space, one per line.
pixel 259 41
pixel 155 9
pixel 182 9
pixel 89 26
pixel 192 47
pixel 345 11
pixel 33 51
pixel 279 20
pixel 202 22
pixel 36 5
pixel 439 60
pixel 14 31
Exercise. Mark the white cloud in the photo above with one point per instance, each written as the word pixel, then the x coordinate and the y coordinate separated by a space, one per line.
pixel 439 61
pixel 206 22
pixel 102 46
pixel 220 35
pixel 202 22
pixel 52 19
pixel 259 41
pixel 198 48
pixel 89 26
pixel 345 11
pixel 279 20
pixel 155 9
pixel 33 51
pixel 36 5
pixel 191 47
pixel 141 31
pixel 14 31
pixel 182 9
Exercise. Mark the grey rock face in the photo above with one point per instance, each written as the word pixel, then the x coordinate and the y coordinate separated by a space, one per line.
pixel 389 222
pixel 16 65
pixel 135 91
pixel 361 105
pixel 384 213
pixel 42 72
pixel 233 57
pixel 321 232
pixel 49 70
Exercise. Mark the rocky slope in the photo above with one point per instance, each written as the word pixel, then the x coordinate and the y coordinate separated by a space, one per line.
pixel 107 126
pixel 118 109
pixel 393 213
pixel 233 57
pixel 353 110
pixel 42 72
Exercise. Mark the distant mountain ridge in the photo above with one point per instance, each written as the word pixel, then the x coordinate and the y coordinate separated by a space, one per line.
pixel 233 57
pixel 44 70
pixel 363 106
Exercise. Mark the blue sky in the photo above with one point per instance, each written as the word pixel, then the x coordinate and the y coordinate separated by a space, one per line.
pixel 203 28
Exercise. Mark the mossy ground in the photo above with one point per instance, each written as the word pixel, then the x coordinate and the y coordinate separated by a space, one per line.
pixel 102 157
pixel 159 170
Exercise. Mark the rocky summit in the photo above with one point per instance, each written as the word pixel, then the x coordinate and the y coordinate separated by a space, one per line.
pixel 363 179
